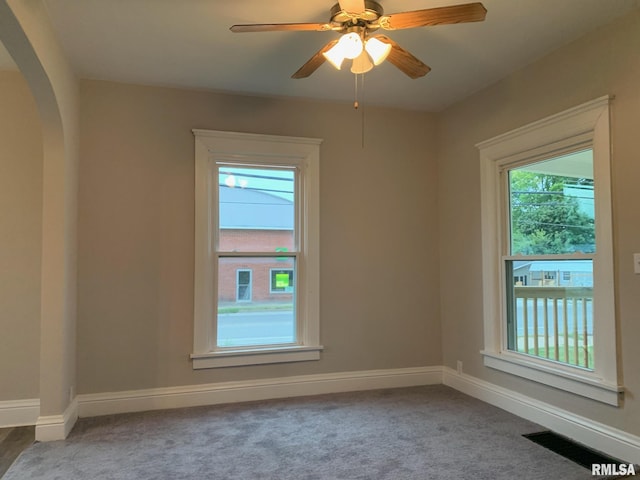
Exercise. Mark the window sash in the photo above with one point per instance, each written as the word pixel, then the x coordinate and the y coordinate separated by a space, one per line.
pixel 511 322
pixel 298 196
pixel 293 252
pixel 507 227
pixel 550 322
pixel 246 342
pixel 298 283
pixel 508 308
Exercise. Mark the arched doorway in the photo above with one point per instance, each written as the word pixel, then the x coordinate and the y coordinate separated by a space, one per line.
pixel 27 36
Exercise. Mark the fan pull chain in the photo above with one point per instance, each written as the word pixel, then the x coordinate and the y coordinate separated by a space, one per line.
pixel 362 109
pixel 355 95
pixel 359 90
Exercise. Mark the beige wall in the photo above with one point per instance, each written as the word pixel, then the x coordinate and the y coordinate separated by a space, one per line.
pixel 604 62
pixel 20 239
pixel 379 267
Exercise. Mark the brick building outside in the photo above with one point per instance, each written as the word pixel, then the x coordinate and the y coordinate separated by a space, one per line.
pixel 255 221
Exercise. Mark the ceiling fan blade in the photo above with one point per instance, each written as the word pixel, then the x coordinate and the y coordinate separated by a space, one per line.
pixel 352 6
pixel 469 12
pixel 314 62
pixel 403 60
pixel 280 27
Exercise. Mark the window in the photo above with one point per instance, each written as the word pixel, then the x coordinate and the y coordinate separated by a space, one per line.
pixel 551 230
pixel 256 249
pixel 243 285
pixel 548 293
pixel 281 281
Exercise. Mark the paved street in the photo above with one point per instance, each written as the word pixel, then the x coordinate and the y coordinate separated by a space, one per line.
pixel 252 328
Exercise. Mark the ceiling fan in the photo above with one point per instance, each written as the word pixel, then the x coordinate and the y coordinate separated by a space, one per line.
pixel 356 20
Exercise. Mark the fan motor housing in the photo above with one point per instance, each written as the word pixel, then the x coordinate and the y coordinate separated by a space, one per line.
pixel 372 12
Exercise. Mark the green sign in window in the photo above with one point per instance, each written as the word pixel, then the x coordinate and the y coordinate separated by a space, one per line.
pixel 282 280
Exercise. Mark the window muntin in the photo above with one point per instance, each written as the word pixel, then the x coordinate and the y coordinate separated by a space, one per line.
pixel 551 206
pixel 266 319
pixel 256 199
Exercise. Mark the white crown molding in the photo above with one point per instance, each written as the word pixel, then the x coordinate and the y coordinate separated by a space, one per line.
pixel 598 436
pixel 230 392
pixel 18 413
pixel 57 427
pixel 574 121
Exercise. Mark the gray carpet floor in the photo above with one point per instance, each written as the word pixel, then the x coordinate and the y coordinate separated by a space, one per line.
pixel 417 433
pixel 13 441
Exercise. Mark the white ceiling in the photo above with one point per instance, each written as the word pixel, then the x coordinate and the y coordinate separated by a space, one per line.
pixel 187 43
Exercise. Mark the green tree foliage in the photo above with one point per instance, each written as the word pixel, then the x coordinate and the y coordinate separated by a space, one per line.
pixel 544 219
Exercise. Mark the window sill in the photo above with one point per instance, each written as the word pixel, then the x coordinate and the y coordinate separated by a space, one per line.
pixel 572 380
pixel 235 358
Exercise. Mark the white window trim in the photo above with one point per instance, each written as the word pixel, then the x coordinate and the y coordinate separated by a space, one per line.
pixel 585 125
pixel 304 153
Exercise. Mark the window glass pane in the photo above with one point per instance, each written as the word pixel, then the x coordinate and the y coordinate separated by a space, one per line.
pixel 551 206
pixel 550 309
pixel 256 209
pixel 250 312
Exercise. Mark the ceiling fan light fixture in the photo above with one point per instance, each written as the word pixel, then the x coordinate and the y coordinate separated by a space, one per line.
pixel 334 56
pixel 377 49
pixel 361 64
pixel 350 45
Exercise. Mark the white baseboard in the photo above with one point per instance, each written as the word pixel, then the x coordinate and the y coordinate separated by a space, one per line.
pixel 229 392
pixel 57 427
pixel 612 441
pixel 18 413
pixel 598 436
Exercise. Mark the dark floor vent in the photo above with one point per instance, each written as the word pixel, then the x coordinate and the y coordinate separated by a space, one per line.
pixel 571 450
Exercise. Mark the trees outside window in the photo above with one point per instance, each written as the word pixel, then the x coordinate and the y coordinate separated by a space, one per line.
pixel 551 213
